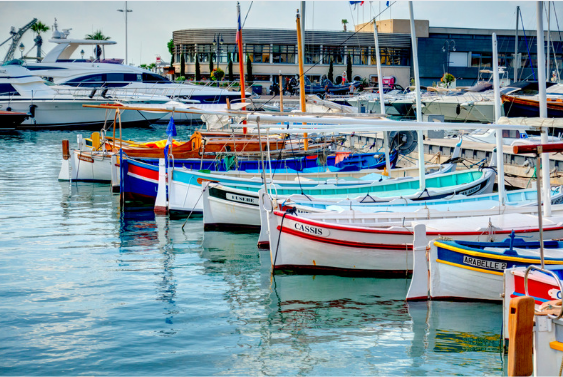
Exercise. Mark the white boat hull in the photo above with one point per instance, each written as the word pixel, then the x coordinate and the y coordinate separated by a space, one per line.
pixel 303 243
pixel 67 113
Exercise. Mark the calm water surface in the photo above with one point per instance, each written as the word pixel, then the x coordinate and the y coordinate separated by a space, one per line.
pixel 86 289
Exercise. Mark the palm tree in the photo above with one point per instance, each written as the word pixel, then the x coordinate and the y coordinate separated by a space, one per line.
pixel 97 36
pixel 39 27
pixel 344 22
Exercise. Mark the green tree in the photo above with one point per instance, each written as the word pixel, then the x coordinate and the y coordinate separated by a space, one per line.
pixel 230 67
pixel 152 66
pixel 330 74
pixel 197 69
pixel 144 66
pixel 39 27
pixel 249 75
pixel 349 67
pixel 210 63
pixel 182 65
pixel 97 36
pixel 171 49
pixel 344 22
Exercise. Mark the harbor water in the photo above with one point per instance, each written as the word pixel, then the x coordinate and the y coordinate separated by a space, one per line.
pixel 87 289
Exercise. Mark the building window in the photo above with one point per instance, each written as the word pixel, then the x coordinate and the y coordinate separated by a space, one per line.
pixel 312 54
pixel 359 55
pixel 334 54
pixel 284 54
pixel 258 53
pixel 481 59
pixel 392 56
pixel 458 59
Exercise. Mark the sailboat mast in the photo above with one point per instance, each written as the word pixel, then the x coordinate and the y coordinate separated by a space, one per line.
pixel 421 168
pixel 543 109
pixel 548 36
pixel 240 57
pixel 301 76
pixel 516 62
pixel 303 30
pixel 381 96
pixel 498 133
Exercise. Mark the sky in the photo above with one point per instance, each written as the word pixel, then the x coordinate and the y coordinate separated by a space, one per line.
pixel 151 23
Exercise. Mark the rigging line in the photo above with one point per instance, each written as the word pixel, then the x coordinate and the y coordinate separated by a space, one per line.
pixel 354 21
pixel 245 17
pixel 528 47
pixel 559 32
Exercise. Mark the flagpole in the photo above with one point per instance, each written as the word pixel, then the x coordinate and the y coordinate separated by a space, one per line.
pixel 240 58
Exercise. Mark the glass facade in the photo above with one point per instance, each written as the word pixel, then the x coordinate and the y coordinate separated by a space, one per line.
pixel 284 54
pixel 392 56
pixel 258 53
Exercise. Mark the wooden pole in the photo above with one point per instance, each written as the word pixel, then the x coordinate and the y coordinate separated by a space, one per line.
pixel 301 77
pixel 521 336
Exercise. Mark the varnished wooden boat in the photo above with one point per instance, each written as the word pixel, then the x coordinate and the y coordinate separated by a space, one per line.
pixel 197 147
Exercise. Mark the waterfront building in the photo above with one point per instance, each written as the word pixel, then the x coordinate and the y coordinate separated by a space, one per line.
pixel 463 52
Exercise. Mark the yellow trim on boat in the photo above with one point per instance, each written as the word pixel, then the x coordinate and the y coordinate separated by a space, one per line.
pixel 558 346
pixel 469 268
pixel 496 256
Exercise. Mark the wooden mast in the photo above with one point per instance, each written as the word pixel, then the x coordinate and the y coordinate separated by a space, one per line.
pixel 301 76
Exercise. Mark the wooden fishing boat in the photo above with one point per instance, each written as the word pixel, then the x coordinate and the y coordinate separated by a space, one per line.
pixel 91 161
pixel 185 184
pixel 10 120
pixel 232 205
pixel 464 270
pixel 528 106
pixel 197 147
pixel 368 245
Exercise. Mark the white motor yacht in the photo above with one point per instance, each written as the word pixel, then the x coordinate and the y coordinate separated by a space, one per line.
pixel 62 67
pixel 51 106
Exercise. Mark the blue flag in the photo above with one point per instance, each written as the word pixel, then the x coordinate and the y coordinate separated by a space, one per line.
pixel 171 132
pixel 387 4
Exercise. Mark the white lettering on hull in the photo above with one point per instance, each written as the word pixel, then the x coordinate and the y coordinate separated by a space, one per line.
pixel 481 263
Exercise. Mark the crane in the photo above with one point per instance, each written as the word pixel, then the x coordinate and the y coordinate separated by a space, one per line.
pixel 15 37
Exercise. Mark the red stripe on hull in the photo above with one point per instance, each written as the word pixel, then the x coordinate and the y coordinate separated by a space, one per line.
pixel 143 172
pixel 384 231
pixel 346 243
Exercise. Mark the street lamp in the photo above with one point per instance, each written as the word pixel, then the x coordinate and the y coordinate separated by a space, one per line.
pixel 125 11
pixel 22 47
pixel 82 54
pixel 217 38
pixel 449 45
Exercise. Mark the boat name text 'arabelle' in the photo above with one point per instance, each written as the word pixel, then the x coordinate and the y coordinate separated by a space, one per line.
pixel 490 265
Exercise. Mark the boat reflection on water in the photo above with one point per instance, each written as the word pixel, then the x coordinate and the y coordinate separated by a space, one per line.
pixel 464 333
